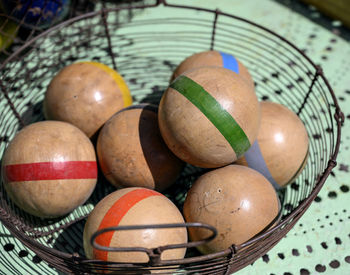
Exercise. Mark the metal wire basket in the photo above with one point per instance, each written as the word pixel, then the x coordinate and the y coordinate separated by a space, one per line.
pixel 146 51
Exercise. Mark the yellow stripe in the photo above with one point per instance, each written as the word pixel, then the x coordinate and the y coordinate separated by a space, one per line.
pixel 9 32
pixel 117 78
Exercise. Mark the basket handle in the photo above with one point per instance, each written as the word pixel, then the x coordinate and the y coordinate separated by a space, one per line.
pixel 153 253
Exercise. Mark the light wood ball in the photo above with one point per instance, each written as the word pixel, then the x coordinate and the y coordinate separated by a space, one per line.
pixel 217 59
pixel 132 153
pixel 209 117
pixel 49 168
pixel 134 206
pixel 86 94
pixel 281 150
pixel 238 201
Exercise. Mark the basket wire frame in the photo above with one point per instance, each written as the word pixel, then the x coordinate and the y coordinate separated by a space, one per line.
pixel 145 54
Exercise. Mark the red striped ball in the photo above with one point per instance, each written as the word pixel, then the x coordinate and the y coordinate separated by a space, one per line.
pixel 49 168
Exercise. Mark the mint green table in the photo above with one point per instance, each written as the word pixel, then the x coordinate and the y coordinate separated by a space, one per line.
pixel 320 241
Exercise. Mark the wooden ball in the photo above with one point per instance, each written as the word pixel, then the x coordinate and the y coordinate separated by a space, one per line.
pixel 49 168
pixel 134 206
pixel 237 200
pixel 281 149
pixel 217 59
pixel 209 117
pixel 86 94
pixel 132 153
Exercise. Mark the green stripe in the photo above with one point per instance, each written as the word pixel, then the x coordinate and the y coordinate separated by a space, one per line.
pixel 212 109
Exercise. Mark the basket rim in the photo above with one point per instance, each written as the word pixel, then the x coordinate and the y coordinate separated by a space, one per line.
pixel 297 212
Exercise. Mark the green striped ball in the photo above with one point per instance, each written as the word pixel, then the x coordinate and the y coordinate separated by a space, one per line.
pixel 209 116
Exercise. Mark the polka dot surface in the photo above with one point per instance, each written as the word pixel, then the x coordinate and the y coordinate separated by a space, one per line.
pixel 320 242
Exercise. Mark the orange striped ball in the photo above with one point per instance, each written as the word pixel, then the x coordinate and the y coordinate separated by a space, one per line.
pixel 134 206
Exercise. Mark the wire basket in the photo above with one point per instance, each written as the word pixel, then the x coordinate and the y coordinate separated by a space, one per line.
pixel 146 51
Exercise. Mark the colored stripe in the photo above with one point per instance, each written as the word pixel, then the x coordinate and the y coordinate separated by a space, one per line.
pixel 212 109
pixel 115 214
pixel 8 32
pixel 230 62
pixel 51 171
pixel 118 79
pixel 256 161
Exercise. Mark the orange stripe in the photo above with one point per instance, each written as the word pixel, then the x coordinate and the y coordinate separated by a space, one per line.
pixel 115 214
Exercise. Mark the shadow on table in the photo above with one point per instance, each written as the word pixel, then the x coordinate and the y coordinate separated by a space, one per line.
pixel 317 17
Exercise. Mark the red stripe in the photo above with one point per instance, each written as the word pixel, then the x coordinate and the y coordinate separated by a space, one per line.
pixel 115 214
pixel 51 171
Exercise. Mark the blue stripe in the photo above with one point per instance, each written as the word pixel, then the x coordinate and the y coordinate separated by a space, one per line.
pixel 256 161
pixel 230 62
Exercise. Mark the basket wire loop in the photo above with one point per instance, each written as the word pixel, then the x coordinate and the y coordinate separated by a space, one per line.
pixel 154 254
pixel 10 103
pixel 318 72
pixel 104 16
pixel 213 32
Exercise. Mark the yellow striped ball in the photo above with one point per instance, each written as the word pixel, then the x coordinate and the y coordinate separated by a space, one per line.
pixel 86 94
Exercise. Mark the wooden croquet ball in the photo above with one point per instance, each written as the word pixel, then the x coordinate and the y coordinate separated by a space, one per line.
pixel 281 150
pixel 49 168
pixel 86 94
pixel 217 59
pixel 209 117
pixel 132 153
pixel 237 200
pixel 134 206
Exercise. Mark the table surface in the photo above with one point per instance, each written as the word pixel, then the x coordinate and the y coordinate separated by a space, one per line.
pixel 320 241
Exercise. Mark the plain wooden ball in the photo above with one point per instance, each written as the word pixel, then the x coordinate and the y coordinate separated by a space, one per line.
pixel 86 94
pixel 134 206
pixel 49 168
pixel 238 201
pixel 215 122
pixel 132 153
pixel 281 150
pixel 217 59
